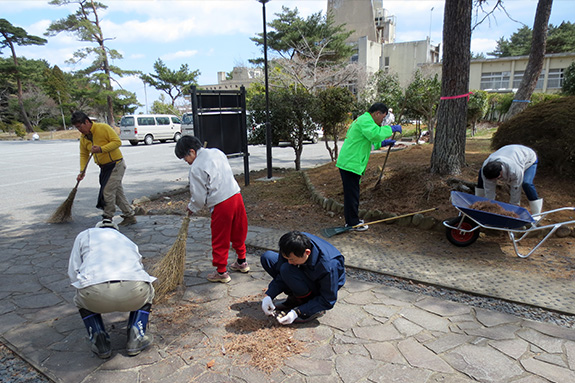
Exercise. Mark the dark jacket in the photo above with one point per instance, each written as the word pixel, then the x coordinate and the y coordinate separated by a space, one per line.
pixel 325 268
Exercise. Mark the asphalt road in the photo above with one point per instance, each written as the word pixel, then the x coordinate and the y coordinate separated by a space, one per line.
pixel 37 176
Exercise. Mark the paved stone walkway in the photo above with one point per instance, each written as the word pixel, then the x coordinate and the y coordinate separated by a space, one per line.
pixel 452 269
pixel 374 333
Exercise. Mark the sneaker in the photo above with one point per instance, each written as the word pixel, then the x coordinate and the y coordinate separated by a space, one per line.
pixel 128 221
pixel 309 318
pixel 217 277
pixel 241 267
pixel 359 228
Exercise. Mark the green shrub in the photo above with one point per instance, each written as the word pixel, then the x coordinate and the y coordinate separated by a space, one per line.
pixel 536 98
pixel 549 128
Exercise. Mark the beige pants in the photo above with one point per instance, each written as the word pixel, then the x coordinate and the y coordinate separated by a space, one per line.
pixel 109 297
pixel 114 193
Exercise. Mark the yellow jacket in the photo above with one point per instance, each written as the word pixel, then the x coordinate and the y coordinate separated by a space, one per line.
pixel 105 137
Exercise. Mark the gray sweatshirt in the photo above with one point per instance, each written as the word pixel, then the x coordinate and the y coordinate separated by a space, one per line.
pixel 514 159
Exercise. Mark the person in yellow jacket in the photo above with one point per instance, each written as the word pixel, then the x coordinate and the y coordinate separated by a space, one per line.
pixel 366 131
pixel 104 144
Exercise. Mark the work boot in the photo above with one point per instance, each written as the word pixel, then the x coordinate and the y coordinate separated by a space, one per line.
pixel 137 338
pixel 98 336
pixel 535 207
pixel 128 220
pixel 480 192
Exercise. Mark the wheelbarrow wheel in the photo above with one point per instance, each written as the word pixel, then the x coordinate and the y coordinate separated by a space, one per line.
pixel 458 237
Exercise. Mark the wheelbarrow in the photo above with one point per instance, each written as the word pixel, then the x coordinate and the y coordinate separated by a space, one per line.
pixel 463 230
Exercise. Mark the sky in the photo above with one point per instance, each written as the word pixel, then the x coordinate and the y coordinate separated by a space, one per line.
pixel 214 36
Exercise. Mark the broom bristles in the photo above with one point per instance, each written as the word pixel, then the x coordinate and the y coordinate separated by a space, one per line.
pixel 170 269
pixel 64 212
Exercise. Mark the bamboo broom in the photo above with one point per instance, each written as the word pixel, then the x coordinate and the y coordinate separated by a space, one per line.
pixel 170 269
pixel 64 212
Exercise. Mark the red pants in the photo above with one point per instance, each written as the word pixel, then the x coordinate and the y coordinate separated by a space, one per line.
pixel 229 224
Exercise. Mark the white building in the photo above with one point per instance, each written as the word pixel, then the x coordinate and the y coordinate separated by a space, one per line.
pixel 240 76
pixel 374 38
pixel 376 49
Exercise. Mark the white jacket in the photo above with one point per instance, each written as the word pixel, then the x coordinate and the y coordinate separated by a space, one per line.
pixel 211 179
pixel 103 254
pixel 514 159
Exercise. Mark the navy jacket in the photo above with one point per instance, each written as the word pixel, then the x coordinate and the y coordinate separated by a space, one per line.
pixel 325 268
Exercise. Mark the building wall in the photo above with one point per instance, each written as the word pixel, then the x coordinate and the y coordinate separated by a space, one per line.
pixel 504 74
pixel 402 59
pixel 358 15
pixel 241 76
pixel 369 55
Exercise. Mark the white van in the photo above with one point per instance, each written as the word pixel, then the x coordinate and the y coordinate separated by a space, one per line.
pixel 150 128
pixel 188 124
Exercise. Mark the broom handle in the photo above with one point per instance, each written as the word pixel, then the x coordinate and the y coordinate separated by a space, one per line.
pixel 384 162
pixel 83 171
pixel 392 218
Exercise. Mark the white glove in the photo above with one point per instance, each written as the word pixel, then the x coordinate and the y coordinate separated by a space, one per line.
pixel 268 306
pixel 288 318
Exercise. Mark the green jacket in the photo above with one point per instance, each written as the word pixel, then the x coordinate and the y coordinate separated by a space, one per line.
pixel 361 135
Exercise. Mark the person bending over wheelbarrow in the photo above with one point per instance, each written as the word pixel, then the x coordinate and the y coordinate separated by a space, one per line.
pixel 309 270
pixel 515 165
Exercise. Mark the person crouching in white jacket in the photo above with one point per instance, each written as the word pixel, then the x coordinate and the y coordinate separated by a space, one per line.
pixel 516 166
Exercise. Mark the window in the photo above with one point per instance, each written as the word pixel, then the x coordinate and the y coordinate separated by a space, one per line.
pixel 495 80
pixel 146 121
pixel 163 120
pixel 555 78
pixel 540 80
pixel 127 121
pixel 176 120
pixel 188 119
pixel 386 61
pixel 517 77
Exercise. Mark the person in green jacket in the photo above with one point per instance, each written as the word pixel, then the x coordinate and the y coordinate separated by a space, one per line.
pixel 366 131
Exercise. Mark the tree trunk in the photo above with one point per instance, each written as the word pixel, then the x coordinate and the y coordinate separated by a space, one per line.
pixel 25 119
pixel 448 156
pixel 298 149
pixel 109 88
pixel 99 36
pixel 329 149
pixel 430 128
pixel 536 58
